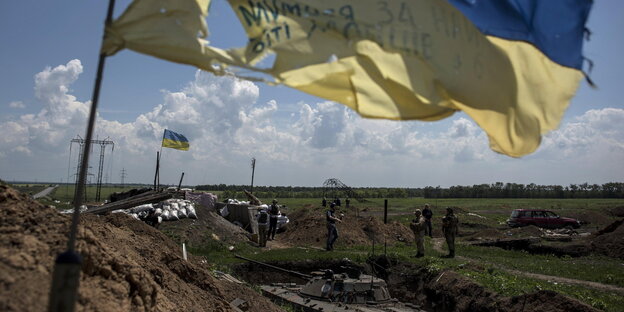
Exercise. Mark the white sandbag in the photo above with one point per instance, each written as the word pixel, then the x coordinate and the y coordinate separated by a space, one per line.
pixel 134 215
pixel 264 206
pixel 174 215
pixel 141 208
pixel 158 212
pixel 166 215
pixel 191 212
pixel 160 219
pixel 175 206
pixel 182 213
pixel 224 212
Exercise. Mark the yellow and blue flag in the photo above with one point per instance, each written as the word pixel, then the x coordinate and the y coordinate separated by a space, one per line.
pixel 511 65
pixel 175 140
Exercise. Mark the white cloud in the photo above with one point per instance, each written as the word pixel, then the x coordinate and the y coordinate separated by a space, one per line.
pixel 596 132
pixel 17 104
pixel 226 126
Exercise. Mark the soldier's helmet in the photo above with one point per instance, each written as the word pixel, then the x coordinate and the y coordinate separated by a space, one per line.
pixel 275 201
pixel 332 205
pixel 417 212
pixel 449 210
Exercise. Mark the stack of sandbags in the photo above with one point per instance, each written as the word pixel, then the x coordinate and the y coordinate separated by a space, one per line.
pixel 176 209
pixel 207 200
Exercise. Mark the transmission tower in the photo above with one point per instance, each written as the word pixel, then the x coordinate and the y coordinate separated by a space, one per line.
pixel 103 144
pixel 334 185
pixel 123 176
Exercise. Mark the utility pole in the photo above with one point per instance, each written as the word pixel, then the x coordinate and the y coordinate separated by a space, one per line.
pixel 123 176
pixel 253 169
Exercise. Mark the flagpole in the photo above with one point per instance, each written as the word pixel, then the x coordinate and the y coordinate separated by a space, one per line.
pixel 161 154
pixel 66 274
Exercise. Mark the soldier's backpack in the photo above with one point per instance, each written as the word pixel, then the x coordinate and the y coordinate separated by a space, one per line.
pixel 264 216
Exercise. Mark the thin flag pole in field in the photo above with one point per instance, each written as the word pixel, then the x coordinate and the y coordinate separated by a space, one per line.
pixel 66 274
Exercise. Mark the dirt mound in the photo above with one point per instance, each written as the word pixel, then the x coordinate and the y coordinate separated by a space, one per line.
pixel 487 234
pixel 618 211
pixel 308 228
pixel 127 265
pixel 208 226
pixel 593 218
pixel 609 241
pixel 546 300
pixel 450 291
pixel 525 231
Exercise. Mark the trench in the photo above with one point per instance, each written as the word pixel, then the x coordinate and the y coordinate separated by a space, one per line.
pixel 407 282
pixel 537 246
pixel 412 283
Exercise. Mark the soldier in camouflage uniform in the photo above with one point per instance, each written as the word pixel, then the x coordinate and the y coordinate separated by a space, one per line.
pixel 449 228
pixel 418 227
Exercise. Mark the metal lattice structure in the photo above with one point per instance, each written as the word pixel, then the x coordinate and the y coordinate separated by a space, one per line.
pixel 333 188
pixel 103 144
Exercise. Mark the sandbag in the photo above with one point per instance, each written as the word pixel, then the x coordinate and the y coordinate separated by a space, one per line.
pixel 174 215
pixel 191 211
pixel 224 212
pixel 182 213
pixel 141 208
pixel 166 215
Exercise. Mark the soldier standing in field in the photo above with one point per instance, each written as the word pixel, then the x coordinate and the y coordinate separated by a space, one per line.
pixel 273 213
pixel 332 231
pixel 449 228
pixel 428 214
pixel 418 227
pixel 263 224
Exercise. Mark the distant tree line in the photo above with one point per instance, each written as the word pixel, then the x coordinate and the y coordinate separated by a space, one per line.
pixel 516 190
pixel 494 190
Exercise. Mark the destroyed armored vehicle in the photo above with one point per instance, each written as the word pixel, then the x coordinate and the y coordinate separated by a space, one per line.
pixel 326 291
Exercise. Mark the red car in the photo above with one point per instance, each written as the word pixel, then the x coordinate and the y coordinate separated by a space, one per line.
pixel 541 218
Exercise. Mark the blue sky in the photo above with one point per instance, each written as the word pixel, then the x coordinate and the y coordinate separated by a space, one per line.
pixel 48 59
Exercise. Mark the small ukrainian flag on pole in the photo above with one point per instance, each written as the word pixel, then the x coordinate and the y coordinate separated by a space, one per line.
pixel 175 140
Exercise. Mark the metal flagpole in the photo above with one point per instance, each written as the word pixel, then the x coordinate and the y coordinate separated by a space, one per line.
pixel 66 276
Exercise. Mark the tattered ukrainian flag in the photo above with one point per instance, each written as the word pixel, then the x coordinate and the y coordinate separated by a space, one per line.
pixel 511 65
pixel 175 140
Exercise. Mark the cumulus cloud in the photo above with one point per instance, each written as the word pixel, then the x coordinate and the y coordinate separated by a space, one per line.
pixel 17 104
pixel 226 125
pixel 597 131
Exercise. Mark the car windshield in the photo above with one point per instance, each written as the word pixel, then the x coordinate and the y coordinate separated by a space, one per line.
pixel 515 213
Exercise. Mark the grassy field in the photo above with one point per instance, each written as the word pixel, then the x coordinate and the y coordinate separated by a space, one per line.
pixel 30 189
pixel 492 262
pixel 62 196
pixel 604 270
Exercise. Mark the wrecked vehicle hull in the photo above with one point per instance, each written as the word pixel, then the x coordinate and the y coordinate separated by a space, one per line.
pixel 289 293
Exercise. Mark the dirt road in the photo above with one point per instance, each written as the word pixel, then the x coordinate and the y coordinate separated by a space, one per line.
pixel 45 192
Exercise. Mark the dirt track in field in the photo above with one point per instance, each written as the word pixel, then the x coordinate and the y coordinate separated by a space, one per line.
pixel 438 244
